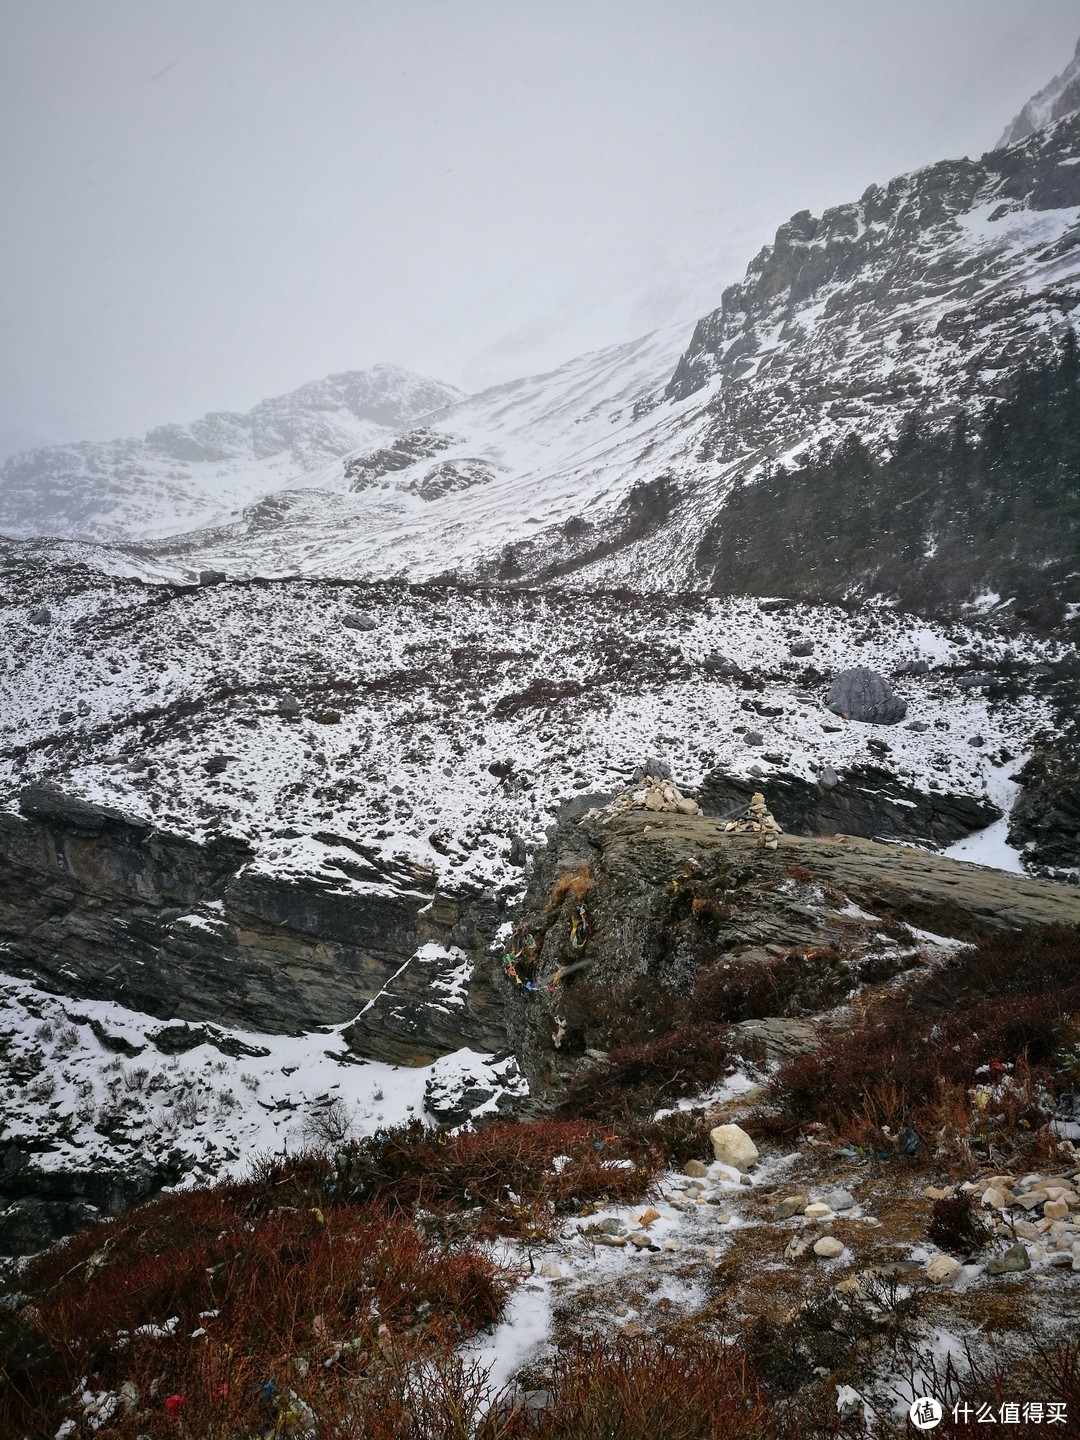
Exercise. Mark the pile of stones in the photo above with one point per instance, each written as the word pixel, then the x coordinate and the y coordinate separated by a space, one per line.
pixel 1041 1210
pixel 656 794
pixel 757 820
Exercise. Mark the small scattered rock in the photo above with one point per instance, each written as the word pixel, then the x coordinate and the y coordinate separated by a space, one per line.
pixel 792 1205
pixel 359 622
pixel 839 1200
pixel 816 1211
pixel 828 779
pixel 1055 1210
pixel 696 1169
pixel 797 1247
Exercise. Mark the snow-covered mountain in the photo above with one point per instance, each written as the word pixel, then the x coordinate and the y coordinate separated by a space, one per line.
pixel 179 476
pixel 921 301
pixel 1053 101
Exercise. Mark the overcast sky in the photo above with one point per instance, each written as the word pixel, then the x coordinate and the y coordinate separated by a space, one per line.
pixel 211 201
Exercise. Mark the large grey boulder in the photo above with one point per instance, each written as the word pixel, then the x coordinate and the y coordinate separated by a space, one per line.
pixel 356 621
pixel 862 694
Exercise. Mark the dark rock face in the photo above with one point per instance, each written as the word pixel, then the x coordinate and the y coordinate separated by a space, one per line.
pixel 39 1207
pixel 861 694
pixel 865 801
pixel 97 904
pixel 422 1013
pixel 1046 816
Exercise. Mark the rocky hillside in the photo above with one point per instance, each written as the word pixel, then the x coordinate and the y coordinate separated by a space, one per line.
pixel 438 722
pixel 178 476
pixel 727 1156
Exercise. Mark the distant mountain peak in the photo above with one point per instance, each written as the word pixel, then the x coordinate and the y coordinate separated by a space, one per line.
pixel 179 476
pixel 1051 103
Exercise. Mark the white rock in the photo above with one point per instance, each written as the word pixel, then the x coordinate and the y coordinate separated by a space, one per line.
pixel 732 1146
pixel 816 1210
pixel 828 1247
pixel 943 1270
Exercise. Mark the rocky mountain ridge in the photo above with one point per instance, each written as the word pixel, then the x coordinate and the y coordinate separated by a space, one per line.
pixel 178 476
pixel 1054 100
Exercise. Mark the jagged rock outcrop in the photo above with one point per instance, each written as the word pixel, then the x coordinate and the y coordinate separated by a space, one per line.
pixel 899 245
pixel 1046 817
pixel 1053 101
pixel 95 903
pixel 666 894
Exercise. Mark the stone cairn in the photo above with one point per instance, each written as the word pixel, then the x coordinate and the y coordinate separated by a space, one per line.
pixel 757 819
pixel 658 795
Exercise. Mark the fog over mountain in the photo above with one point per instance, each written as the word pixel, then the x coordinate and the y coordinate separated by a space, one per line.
pixel 212 204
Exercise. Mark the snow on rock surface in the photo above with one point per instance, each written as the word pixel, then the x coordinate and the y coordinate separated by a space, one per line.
pixel 84 1085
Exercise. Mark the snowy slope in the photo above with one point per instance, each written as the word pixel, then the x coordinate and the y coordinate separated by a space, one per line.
pixel 490 469
pixel 87 1100
pixel 178 476
pixel 460 716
